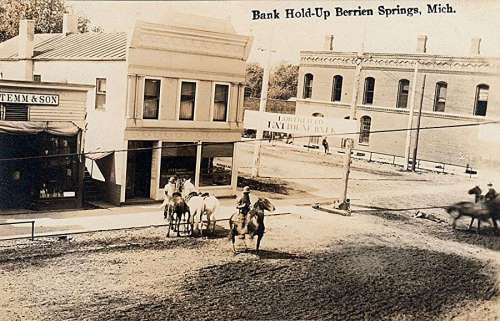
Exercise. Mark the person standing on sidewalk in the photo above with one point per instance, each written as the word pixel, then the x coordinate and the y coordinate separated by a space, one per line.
pixel 325 145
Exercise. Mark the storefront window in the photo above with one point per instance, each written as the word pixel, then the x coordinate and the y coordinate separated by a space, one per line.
pixel 216 164
pixel 177 159
pixel 59 174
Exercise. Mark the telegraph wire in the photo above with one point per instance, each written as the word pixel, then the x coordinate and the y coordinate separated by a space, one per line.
pixel 245 141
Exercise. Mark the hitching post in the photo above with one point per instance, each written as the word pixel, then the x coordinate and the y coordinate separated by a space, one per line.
pixel 347 168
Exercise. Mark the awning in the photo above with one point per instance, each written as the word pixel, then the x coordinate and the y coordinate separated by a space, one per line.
pixel 35 127
pixel 97 155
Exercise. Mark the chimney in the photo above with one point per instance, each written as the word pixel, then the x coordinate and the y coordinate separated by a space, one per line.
pixel 329 42
pixel 422 44
pixel 70 24
pixel 475 47
pixel 26 38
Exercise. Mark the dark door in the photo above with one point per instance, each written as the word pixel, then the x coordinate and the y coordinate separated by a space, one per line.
pixel 18 176
pixel 139 169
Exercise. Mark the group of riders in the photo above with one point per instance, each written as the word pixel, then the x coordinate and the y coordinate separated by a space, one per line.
pixel 173 189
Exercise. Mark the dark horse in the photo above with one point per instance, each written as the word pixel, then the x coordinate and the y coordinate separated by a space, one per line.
pixel 176 212
pixel 251 224
pixel 481 209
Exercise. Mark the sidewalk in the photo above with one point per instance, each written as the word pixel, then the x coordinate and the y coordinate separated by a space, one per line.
pixel 80 221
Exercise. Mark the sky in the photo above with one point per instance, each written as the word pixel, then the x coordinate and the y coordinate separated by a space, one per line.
pixel 448 34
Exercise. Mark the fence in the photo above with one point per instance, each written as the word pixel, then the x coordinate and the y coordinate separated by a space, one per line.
pixel 424 164
pixel 25 222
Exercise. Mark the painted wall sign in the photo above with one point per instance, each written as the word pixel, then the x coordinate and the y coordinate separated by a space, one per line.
pixel 302 125
pixel 30 99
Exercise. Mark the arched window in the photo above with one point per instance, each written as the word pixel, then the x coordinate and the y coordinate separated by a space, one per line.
pixel 369 91
pixel 481 102
pixel 308 86
pixel 364 129
pixel 440 96
pixel 337 88
pixel 403 91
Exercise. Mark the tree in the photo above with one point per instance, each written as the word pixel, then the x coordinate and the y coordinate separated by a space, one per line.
pixel 48 16
pixel 253 79
pixel 283 82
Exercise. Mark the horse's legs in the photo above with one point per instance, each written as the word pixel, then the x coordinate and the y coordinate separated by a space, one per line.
pixel 454 224
pixel 233 239
pixel 478 226
pixel 259 238
pixel 471 221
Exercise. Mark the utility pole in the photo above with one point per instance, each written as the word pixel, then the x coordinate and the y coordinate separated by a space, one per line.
pixel 262 108
pixel 413 163
pixel 410 118
pixel 355 90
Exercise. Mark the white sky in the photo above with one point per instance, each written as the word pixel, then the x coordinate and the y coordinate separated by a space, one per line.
pixel 449 34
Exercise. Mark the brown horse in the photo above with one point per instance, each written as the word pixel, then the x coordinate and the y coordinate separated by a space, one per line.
pixel 251 224
pixel 178 211
pixel 472 210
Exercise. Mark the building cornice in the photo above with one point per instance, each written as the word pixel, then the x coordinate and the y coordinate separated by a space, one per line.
pixel 435 63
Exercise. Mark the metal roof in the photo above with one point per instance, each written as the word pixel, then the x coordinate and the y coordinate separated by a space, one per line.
pixel 77 46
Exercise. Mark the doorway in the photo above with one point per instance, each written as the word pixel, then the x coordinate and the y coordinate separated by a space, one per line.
pixel 18 175
pixel 139 158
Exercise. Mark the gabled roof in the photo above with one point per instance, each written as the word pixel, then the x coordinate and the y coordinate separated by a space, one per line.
pixel 78 46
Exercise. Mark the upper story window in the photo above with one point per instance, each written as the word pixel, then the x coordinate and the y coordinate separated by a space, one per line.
pixel 308 86
pixel 221 102
pixel 151 99
pixel 14 112
pixel 188 100
pixel 100 93
pixel 369 91
pixel 37 78
pixel 337 88
pixel 481 102
pixel 403 91
pixel 440 96
pixel 364 130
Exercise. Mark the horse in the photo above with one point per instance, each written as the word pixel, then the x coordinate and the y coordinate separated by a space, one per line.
pixel 493 205
pixel 470 209
pixel 252 224
pixel 178 208
pixel 204 204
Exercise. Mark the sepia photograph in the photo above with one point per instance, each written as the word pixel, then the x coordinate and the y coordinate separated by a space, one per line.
pixel 250 160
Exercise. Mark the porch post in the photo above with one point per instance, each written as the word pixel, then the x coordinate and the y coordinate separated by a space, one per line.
pixel 155 170
pixel 198 165
pixel 234 168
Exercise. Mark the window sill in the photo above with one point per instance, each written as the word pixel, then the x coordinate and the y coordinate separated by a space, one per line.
pixel 364 144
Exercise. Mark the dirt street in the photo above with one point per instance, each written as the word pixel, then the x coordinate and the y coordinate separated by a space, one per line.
pixel 381 263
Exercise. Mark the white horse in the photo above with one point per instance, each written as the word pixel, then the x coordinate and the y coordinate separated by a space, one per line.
pixel 200 205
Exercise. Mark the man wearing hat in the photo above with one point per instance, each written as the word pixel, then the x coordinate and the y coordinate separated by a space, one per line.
pixel 243 203
pixel 491 194
pixel 169 190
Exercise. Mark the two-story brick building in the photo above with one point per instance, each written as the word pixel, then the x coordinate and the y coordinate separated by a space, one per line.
pixel 165 97
pixel 377 89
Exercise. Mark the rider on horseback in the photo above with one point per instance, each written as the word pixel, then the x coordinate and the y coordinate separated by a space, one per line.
pixel 243 203
pixel 243 206
pixel 169 189
pixel 491 194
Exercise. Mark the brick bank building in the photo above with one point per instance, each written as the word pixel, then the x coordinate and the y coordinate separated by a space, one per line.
pixel 376 89
pixel 164 99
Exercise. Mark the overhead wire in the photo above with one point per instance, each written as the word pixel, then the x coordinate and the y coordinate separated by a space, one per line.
pixel 245 141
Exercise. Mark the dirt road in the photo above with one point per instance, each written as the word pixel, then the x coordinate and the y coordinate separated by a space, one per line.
pixel 379 264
